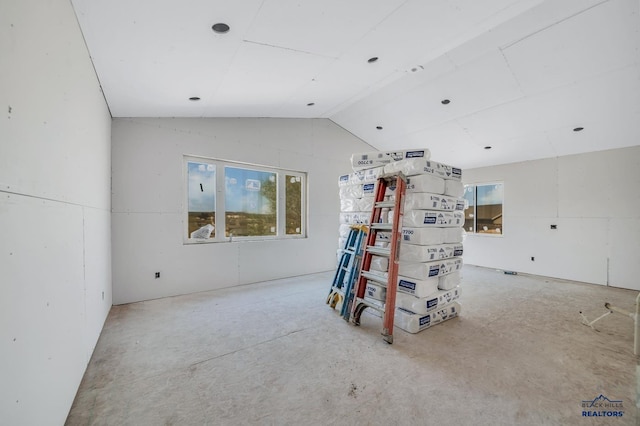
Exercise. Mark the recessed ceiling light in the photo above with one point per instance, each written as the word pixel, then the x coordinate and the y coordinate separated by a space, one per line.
pixel 372 60
pixel 445 101
pixel 311 104
pixel 578 129
pixel 194 98
pixel 487 147
pixel 220 28
pixel 379 127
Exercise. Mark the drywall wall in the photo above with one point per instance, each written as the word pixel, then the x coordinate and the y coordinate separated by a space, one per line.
pixel 148 194
pixel 55 253
pixel 594 201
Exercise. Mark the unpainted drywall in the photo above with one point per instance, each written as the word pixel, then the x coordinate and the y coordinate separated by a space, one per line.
pixel 148 196
pixel 593 200
pixel 55 252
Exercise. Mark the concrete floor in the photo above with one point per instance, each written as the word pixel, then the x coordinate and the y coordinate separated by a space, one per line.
pixel 274 353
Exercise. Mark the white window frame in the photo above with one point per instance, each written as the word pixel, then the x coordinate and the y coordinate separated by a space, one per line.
pixel 475 209
pixel 219 234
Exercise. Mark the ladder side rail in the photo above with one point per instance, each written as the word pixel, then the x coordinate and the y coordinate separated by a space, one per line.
pixel 353 273
pixel 345 259
pixel 346 265
pixel 396 234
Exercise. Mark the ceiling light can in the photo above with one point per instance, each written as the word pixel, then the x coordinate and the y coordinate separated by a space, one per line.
pixel 220 28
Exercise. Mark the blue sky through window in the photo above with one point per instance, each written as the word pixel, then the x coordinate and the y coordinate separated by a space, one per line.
pixel 244 190
pixel 490 194
pixel 469 194
pixel 202 187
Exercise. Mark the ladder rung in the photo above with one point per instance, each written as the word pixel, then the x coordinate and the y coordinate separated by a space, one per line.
pixel 372 303
pixel 382 280
pixel 380 251
pixel 382 226
pixel 385 204
pixel 337 290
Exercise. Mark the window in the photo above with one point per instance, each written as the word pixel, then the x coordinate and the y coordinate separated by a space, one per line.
pixel 201 189
pixel 250 202
pixel 242 201
pixel 470 211
pixel 293 197
pixel 484 213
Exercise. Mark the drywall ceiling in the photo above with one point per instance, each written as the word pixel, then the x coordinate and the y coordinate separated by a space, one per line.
pixel 519 75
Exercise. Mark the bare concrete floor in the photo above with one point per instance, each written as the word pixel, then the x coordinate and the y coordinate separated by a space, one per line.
pixel 274 353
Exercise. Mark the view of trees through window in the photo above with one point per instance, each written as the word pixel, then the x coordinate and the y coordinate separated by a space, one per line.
pixel 293 196
pixel 484 213
pixel 252 202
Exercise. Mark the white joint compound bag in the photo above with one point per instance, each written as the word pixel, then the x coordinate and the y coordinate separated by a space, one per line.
pixel 423 236
pixel 419 166
pixel 453 188
pixel 379 263
pixel 425 305
pixel 413 323
pixel 424 218
pixel 348 205
pixel 452 235
pixel 365 204
pixel 424 270
pixel 354 218
pixel 415 253
pixel 368 160
pixel 449 281
pixel 375 291
pixel 418 288
pixel 427 201
pixel 421 183
pixel 372 175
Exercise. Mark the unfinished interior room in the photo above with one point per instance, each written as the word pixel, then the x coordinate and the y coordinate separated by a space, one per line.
pixel 276 212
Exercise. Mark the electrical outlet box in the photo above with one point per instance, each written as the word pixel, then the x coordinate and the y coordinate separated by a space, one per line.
pixel 554 226
pixel 533 258
pixel 157 274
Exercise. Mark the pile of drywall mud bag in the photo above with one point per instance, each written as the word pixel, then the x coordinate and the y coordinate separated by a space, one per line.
pixel 430 259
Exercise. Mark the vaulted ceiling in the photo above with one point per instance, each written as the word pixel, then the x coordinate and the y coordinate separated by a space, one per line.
pixel 519 75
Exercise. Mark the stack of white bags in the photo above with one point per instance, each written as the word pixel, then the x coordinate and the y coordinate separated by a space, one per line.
pixel 432 233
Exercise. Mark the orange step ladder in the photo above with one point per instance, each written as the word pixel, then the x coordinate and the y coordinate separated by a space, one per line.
pixel 390 282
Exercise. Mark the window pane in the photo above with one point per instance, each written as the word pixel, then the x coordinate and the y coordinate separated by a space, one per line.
pixel 489 209
pixel 470 211
pixel 250 202
pixel 293 197
pixel 202 200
